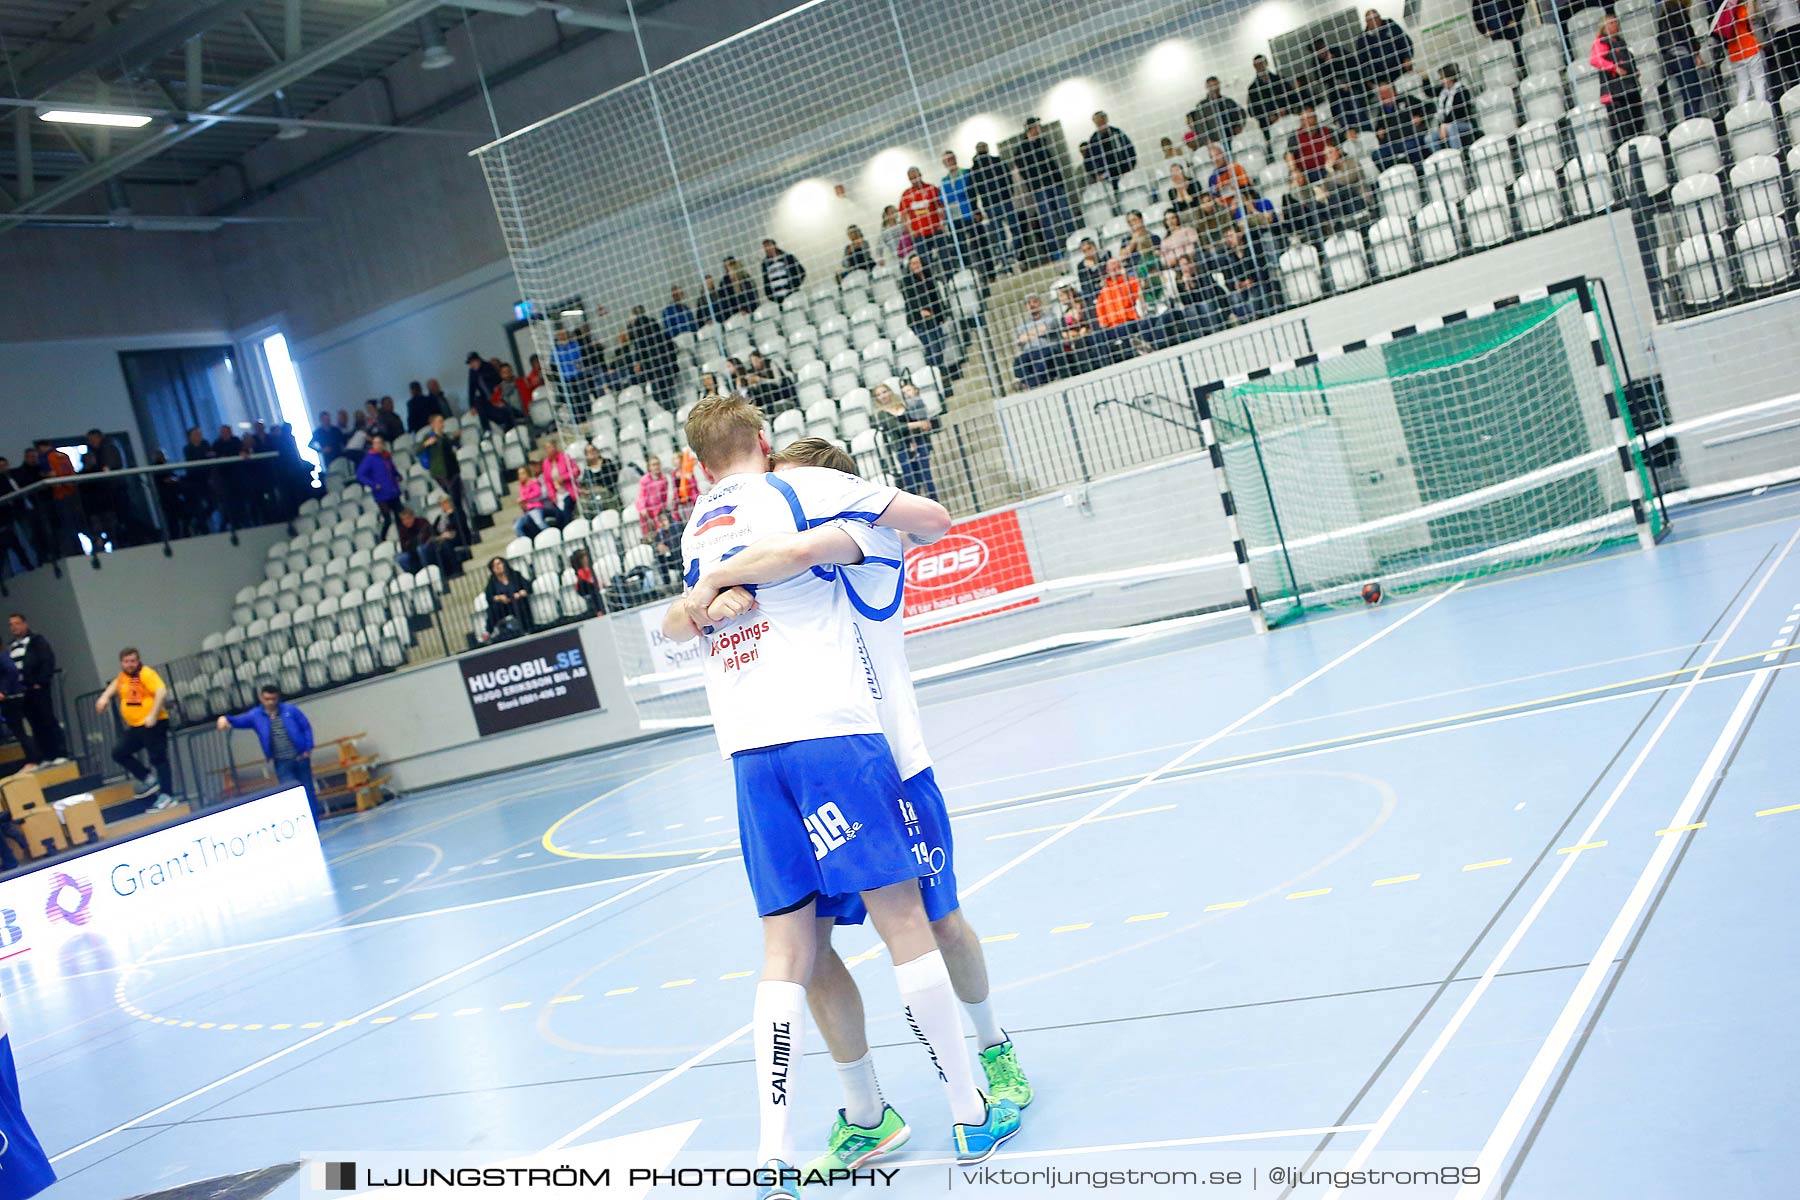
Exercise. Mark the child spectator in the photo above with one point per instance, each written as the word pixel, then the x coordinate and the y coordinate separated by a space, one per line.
pixel 653 496
pixel 534 505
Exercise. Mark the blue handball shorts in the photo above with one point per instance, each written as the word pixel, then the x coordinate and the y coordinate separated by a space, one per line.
pixel 938 889
pixel 824 817
pixel 24 1168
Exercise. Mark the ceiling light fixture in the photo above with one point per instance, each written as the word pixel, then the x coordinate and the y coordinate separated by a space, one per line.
pixel 437 56
pixel 115 120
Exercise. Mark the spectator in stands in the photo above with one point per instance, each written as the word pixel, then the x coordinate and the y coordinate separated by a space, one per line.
pixel 536 505
pixel 1203 307
pixel 1733 25
pixel 1217 118
pixel 654 496
pixel 529 383
pixel 418 407
pixel 35 659
pixel 450 529
pixel 376 472
pixel 665 543
pixel 1042 172
pixel 1500 20
pixel 737 294
pixel 1455 113
pixel 967 241
pixel 438 449
pixel 571 375
pixel 906 440
pixel 286 737
pixel 1228 179
pixel 893 239
pixel 1040 352
pixel 102 501
pixel 677 317
pixel 506 405
pixel 1270 97
pixel 1338 83
pixel 327 439
pixel 599 477
pixel 1399 123
pixel 204 487
pixel 1619 90
pixel 1306 149
pixel 1182 194
pixel 1083 348
pixel 441 403
pixel 1090 272
pixel 1347 191
pixel 508 600
pixel 143 697
pixel 654 360
pixel 1246 281
pixel 388 420
pixel 418 543
pixel 1107 154
pixel 484 376
pixel 64 509
pixel 562 483
pixel 1142 256
pixel 857 254
pixel 768 385
pixel 1178 241
pixel 992 181
pixel 923 205
pixel 1682 62
pixel 687 486
pixel 1119 308
pixel 1384 52
pixel 587 584
pixel 1306 209
pixel 782 273
pixel 1169 149
pixel 925 309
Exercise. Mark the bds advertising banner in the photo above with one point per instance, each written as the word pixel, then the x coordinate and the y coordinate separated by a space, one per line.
pixel 977 558
pixel 528 681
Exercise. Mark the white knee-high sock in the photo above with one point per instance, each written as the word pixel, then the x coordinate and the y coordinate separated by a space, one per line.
pixel 778 1020
pixel 862 1091
pixel 931 1012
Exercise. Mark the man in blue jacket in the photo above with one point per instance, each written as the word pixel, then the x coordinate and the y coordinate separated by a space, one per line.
pixel 287 740
pixel 376 472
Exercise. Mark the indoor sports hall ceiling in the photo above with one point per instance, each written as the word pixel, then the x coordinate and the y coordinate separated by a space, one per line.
pixel 218 78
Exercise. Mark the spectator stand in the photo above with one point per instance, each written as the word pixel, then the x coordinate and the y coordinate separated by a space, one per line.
pixel 60 808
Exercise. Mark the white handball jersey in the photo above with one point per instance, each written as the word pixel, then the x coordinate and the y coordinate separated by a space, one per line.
pixel 787 670
pixel 875 589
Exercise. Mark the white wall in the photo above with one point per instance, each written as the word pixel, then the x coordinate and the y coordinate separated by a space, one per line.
pixel 62 387
pixel 422 337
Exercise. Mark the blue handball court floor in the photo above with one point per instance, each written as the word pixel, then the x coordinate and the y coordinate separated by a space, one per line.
pixel 1497 882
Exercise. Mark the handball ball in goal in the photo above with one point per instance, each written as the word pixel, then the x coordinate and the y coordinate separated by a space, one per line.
pixel 1371 593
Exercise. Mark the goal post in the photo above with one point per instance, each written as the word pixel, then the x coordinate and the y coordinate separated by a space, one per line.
pixel 1481 441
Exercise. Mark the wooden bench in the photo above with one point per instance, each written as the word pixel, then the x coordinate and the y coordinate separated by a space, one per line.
pixel 351 763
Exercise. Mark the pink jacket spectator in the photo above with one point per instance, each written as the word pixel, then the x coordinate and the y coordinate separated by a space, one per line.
pixel 653 498
pixel 560 474
pixel 533 494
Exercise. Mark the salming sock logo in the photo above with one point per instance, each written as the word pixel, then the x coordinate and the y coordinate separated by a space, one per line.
pixel 926 1042
pixel 784 1046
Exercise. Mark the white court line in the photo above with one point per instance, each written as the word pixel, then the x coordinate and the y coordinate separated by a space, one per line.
pixel 364 1015
pixel 1494 968
pixel 1537 1077
pixel 676 1072
pixel 1214 1139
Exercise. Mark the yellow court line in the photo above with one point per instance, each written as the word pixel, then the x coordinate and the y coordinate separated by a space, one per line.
pixel 1394 879
pixel 565 999
pixel 1136 812
pixel 675 983
pixel 283 1025
pixel 383 1020
pixel 313 1025
pixel 515 1005
pixel 736 975
pixel 1681 828
pixel 1227 904
pixel 549 838
pixel 622 991
pixel 1309 895
pixel 1146 917
pixel 1492 862
pixel 861 958
pixel 1073 928
pixel 999 937
pixel 431 1016
pixel 1582 846
pixel 1786 808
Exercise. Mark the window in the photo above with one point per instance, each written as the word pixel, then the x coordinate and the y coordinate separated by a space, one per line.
pixel 288 394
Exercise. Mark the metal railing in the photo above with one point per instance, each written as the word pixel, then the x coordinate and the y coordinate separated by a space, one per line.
pixel 137 506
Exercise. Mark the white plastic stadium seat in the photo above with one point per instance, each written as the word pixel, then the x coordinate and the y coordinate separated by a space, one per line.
pixel 1438 237
pixel 1345 261
pixel 1756 188
pixel 1762 251
pixel 1390 244
pixel 1643 155
pixel 1491 161
pixel 1704 272
pixel 1497 112
pixel 1399 187
pixel 1301 281
pixel 1540 145
pixel 1589 184
pixel 1542 97
pixel 1539 198
pixel 1489 217
pixel 1694 148
pixel 1444 176
pixel 1699 206
pixel 1750 128
pixel 1590 128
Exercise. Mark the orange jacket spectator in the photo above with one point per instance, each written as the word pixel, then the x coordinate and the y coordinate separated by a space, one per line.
pixel 1118 301
pixel 923 206
pixel 687 491
pixel 57 463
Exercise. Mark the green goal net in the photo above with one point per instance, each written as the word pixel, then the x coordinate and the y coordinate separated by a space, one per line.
pixel 1482 445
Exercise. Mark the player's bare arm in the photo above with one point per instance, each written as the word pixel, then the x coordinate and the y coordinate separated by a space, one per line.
pixel 924 521
pixel 772 559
